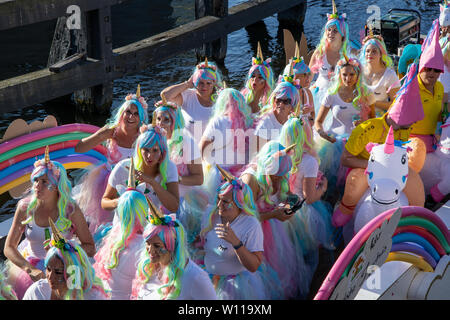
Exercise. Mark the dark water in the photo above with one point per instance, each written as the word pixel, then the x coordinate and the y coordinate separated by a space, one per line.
pixel 26 49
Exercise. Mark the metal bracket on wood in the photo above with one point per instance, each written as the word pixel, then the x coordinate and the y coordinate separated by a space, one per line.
pixel 68 62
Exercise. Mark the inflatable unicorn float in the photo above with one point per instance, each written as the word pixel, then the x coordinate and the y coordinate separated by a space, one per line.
pixel 387 172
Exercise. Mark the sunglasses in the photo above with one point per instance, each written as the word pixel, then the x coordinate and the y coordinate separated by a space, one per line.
pixel 432 69
pixel 286 101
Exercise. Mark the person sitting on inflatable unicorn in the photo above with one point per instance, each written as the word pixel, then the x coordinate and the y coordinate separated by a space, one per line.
pixel 431 65
pixel 406 110
pixel 260 82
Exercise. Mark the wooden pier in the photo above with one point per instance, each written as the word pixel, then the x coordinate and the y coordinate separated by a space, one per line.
pixel 100 64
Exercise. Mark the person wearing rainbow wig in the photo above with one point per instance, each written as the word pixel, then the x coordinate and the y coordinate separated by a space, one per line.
pixel 350 103
pixel 153 167
pixel 196 96
pixel 120 134
pixel 164 269
pixel 378 75
pixel 117 257
pixel 69 273
pixel 233 244
pixel 331 48
pixel 310 228
pixel 283 102
pixel 260 82
pixel 268 178
pixel 406 110
pixel 49 197
pixel 185 154
pixel 302 76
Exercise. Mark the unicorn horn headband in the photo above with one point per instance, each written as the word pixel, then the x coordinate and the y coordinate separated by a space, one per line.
pixel 297 50
pixel 259 52
pixel 206 62
pixel 47 156
pixel 334 7
pixel 292 146
pixel 226 175
pixel 154 212
pixel 57 235
pixel 163 98
pixel 138 91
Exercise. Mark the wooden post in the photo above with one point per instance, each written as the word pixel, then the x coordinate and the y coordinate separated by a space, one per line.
pixel 217 49
pixel 292 19
pixel 98 99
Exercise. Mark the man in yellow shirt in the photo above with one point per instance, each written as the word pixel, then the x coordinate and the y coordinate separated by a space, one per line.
pixel 406 110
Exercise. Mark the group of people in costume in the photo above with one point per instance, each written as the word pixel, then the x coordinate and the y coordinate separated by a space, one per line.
pixel 230 194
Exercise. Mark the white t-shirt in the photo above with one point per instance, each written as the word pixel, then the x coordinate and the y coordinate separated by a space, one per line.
pixel 119 175
pixel 220 256
pixel 195 285
pixel 193 112
pixel 190 153
pixel 342 114
pixel 40 290
pixel 223 152
pixel 268 127
pixel 122 276
pixel 380 89
pixel 307 168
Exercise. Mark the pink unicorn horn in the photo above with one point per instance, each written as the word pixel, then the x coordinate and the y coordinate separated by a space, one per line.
pixel 389 144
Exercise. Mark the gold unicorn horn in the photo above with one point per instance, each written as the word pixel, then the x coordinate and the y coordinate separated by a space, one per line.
pixel 131 178
pixel 47 155
pixel 292 146
pixel 334 7
pixel 259 52
pixel 291 68
pixel 206 62
pixel 226 175
pixel 224 84
pixel 57 235
pixel 163 98
pixel 297 50
pixel 154 211
pixel 138 91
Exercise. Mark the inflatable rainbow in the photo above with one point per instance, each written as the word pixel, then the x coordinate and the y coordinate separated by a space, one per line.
pixel 420 238
pixel 18 155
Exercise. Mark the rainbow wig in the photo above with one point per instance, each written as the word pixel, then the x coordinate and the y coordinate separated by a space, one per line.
pixel 77 267
pixel 264 68
pixel 231 103
pixel 6 290
pixel 173 236
pixel 271 160
pixel 299 67
pixel 132 211
pixel 57 176
pixel 242 197
pixel 362 90
pixel 378 42
pixel 207 71
pixel 342 27
pixel 175 143
pixel 292 132
pixel 151 135
pixel 116 119
pixel 284 89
